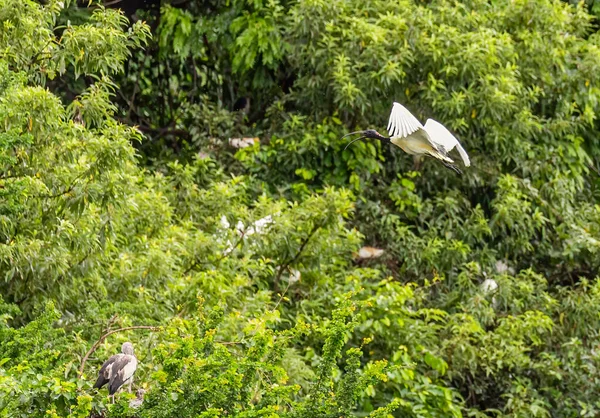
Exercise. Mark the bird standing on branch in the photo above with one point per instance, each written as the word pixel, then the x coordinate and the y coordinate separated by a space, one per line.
pixel 406 132
pixel 118 370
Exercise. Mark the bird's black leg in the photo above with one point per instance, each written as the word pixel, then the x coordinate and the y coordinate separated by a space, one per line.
pixel 417 162
pixel 452 167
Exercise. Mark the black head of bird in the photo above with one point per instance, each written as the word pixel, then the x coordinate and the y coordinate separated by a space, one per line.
pixel 369 133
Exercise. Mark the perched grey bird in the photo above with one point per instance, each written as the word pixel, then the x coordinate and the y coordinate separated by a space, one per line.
pixel 137 402
pixel 118 370
pixel 406 132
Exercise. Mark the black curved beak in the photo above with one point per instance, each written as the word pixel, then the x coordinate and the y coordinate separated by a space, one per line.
pixel 354 140
pixel 353 133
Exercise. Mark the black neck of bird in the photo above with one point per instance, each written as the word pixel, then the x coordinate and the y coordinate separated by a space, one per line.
pixel 375 135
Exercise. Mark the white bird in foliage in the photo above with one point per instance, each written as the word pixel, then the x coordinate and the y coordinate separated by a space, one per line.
pixel 406 132
pixel 139 399
pixel 490 286
pixel 118 370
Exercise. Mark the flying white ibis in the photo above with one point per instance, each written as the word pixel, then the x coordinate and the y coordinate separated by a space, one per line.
pixel 406 132
pixel 118 370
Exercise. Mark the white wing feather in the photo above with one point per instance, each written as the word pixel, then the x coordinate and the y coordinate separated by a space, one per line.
pixel 402 123
pixel 129 368
pixel 442 136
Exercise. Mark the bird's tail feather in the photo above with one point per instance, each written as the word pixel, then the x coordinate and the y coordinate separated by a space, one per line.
pixel 440 156
pixel 113 387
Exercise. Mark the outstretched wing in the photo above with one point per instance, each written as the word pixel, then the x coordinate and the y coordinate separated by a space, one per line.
pixel 402 123
pixel 442 136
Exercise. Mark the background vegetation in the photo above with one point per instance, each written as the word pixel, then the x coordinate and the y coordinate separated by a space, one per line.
pixel 123 204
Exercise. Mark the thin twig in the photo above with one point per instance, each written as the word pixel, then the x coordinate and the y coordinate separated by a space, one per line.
pixel 69 189
pixel 223 256
pixel 282 296
pixel 34 59
pixel 128 121
pixel 285 265
pixel 164 131
pixel 229 342
pixel 110 323
pixel 103 337
pixel 13 176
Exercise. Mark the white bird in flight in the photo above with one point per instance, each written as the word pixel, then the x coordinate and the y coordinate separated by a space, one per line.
pixel 406 132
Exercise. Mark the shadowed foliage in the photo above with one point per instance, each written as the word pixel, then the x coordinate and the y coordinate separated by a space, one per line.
pixel 124 204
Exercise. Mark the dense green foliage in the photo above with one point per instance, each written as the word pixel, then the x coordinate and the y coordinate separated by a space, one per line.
pixel 122 204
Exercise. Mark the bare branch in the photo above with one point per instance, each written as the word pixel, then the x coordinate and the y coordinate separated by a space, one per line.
pixel 286 265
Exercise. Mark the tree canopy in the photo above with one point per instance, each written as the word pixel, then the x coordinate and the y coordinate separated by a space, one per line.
pixel 129 213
